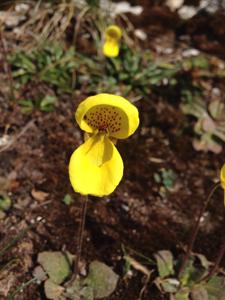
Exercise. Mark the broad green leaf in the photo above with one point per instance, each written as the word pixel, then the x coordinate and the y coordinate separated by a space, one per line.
pixel 216 288
pixel 203 260
pixel 217 109
pixel 199 293
pixel 102 279
pixel 53 291
pixel 169 285
pixel 56 265
pixel 87 293
pixel 78 291
pixel 190 274
pixel 182 295
pixel 164 259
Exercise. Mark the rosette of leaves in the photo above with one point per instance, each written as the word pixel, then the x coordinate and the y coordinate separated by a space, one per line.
pixel 51 64
pixel 210 125
pixel 189 285
pixel 138 72
pixel 55 270
pixel 131 72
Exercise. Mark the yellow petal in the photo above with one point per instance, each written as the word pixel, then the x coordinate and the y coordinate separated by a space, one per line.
pixel 222 177
pixel 110 113
pixel 112 37
pixel 96 167
pixel 114 32
pixel 111 48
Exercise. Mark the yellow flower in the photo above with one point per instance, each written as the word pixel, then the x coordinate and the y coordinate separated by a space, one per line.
pixel 222 179
pixel 111 44
pixel 96 166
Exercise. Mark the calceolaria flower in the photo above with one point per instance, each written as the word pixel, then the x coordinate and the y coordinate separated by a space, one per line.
pixel 96 166
pixel 222 179
pixel 112 36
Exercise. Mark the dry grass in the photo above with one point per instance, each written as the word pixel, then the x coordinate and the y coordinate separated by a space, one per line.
pixel 44 22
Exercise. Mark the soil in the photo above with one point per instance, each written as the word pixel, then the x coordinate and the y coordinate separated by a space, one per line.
pixel 137 216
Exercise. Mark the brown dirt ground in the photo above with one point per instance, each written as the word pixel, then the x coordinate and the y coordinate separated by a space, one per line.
pixel 135 215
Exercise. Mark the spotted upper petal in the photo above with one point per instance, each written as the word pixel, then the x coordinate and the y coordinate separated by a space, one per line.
pixel 114 32
pixel 96 167
pixel 108 113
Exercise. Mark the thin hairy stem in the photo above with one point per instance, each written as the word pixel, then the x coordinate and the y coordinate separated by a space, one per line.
pixel 217 263
pixel 80 237
pixel 214 269
pixel 196 229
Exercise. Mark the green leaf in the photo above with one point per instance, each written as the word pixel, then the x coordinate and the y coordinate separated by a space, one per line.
pixel 164 259
pixel 53 291
pixel 169 285
pixel 27 106
pixel 200 62
pixel 87 293
pixel 68 200
pixel 203 260
pixel 102 279
pixel 216 288
pixel 93 3
pixel 23 61
pixel 217 109
pixel 199 293
pixel 56 265
pixel 5 202
pixel 78 291
pixel 191 274
pixel 47 103
pixel 207 143
pixel 183 295
pixel 168 177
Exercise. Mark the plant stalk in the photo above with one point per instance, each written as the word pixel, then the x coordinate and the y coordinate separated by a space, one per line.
pixel 196 230
pixel 214 269
pixel 216 265
pixel 80 237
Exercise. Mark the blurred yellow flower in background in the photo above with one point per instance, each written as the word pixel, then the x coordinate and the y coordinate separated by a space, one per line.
pixel 112 36
pixel 96 166
pixel 222 179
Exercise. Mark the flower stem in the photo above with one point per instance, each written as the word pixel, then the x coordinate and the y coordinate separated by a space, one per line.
pixel 80 237
pixel 196 229
pixel 216 264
